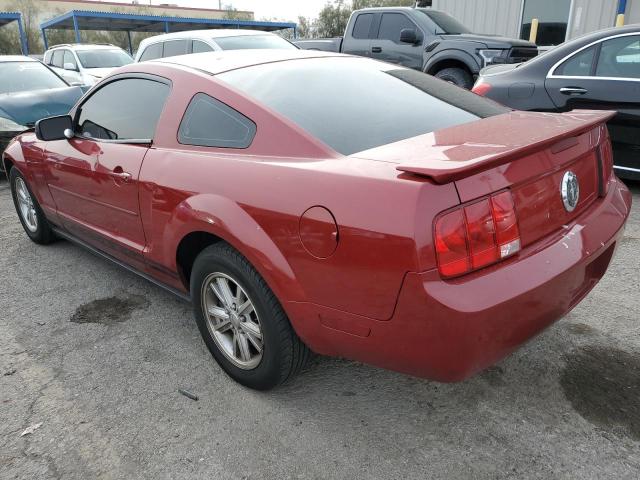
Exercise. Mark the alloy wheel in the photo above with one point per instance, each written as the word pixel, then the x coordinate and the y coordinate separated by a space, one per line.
pixel 232 320
pixel 26 206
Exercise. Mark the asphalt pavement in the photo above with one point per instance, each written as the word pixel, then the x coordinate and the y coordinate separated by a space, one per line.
pixel 92 358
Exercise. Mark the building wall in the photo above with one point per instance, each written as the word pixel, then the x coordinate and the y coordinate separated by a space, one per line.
pixel 591 15
pixel 633 12
pixel 501 17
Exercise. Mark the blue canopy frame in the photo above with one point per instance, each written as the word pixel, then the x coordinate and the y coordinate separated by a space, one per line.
pixel 8 17
pixel 77 20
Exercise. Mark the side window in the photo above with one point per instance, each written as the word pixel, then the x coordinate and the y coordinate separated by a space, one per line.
pixel 47 58
pixel 391 25
pixel 69 58
pixel 362 25
pixel 200 47
pixel 211 123
pixel 123 110
pixel 152 52
pixel 620 58
pixel 175 47
pixel 56 59
pixel 579 65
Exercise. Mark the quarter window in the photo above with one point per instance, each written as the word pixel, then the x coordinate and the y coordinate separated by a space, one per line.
pixel 200 47
pixel 362 26
pixel 126 109
pixel 392 24
pixel 211 123
pixel 175 47
pixel 69 58
pixel 152 52
pixel 620 58
pixel 580 65
pixel 56 59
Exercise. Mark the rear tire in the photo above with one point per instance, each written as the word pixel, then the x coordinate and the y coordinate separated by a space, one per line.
pixel 254 344
pixel 31 216
pixel 457 76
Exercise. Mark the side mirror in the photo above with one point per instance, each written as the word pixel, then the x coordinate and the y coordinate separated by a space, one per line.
pixel 54 128
pixel 70 66
pixel 408 35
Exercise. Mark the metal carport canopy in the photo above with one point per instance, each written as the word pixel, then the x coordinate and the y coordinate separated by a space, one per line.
pixel 128 22
pixel 8 17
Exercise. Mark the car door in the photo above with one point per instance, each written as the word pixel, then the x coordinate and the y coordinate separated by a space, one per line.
pixel 386 45
pixel 93 177
pixel 605 76
pixel 359 40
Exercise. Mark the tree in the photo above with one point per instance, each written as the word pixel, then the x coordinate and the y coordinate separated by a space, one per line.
pixel 305 28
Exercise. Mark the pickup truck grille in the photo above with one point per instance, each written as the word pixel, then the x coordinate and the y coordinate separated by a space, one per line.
pixel 521 54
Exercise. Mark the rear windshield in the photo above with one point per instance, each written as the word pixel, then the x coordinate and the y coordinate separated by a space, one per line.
pixel 350 104
pixel 445 22
pixel 103 58
pixel 26 76
pixel 244 42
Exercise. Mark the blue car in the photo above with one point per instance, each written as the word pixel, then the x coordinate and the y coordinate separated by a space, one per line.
pixel 29 91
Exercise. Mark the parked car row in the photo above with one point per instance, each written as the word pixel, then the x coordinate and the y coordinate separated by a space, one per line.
pixel 598 71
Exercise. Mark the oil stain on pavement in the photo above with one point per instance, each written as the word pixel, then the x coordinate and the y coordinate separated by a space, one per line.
pixel 603 385
pixel 110 310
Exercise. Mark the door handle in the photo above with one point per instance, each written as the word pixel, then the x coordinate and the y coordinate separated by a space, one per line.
pixel 376 49
pixel 120 174
pixel 573 91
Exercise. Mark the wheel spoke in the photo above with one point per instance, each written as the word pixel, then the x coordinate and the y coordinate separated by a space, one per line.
pixel 225 291
pixel 218 312
pixel 223 326
pixel 243 347
pixel 22 195
pixel 246 308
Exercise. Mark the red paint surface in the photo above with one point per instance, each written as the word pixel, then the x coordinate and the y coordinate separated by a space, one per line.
pixel 377 297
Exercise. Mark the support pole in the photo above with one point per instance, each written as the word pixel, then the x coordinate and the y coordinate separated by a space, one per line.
pixel 76 29
pixel 130 43
pixel 166 27
pixel 295 32
pixel 23 38
pixel 622 8
pixel 533 35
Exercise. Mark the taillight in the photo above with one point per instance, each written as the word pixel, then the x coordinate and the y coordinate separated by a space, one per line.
pixel 476 235
pixel 481 88
pixel 606 154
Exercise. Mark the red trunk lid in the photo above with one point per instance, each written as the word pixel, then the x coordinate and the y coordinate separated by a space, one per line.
pixel 528 153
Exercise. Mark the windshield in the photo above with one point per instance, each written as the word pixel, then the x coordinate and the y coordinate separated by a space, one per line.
pixel 445 22
pixel 349 104
pixel 26 76
pixel 104 58
pixel 253 42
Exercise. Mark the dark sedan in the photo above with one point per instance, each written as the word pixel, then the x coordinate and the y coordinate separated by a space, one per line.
pixel 30 91
pixel 597 71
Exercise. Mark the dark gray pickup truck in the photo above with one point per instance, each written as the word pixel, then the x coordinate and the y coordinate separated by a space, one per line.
pixel 424 39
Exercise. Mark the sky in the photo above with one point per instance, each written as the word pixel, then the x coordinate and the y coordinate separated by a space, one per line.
pixel 277 9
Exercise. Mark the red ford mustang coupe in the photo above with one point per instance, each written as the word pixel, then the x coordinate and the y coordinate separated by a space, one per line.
pixel 318 202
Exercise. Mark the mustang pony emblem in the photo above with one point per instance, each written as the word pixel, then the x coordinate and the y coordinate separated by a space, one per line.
pixel 570 191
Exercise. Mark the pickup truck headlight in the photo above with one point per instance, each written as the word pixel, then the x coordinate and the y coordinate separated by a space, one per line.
pixel 8 127
pixel 490 56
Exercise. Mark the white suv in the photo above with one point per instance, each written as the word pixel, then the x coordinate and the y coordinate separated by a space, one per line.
pixel 85 64
pixel 198 41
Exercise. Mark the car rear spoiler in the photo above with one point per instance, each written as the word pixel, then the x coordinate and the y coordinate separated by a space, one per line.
pixel 484 148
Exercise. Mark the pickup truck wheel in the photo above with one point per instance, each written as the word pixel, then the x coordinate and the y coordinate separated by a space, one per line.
pixel 242 322
pixel 457 76
pixel 31 216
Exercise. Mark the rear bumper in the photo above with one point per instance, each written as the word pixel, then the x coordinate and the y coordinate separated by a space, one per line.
pixel 450 330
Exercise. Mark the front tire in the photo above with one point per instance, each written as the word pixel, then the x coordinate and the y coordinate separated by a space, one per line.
pixel 457 76
pixel 31 216
pixel 242 322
